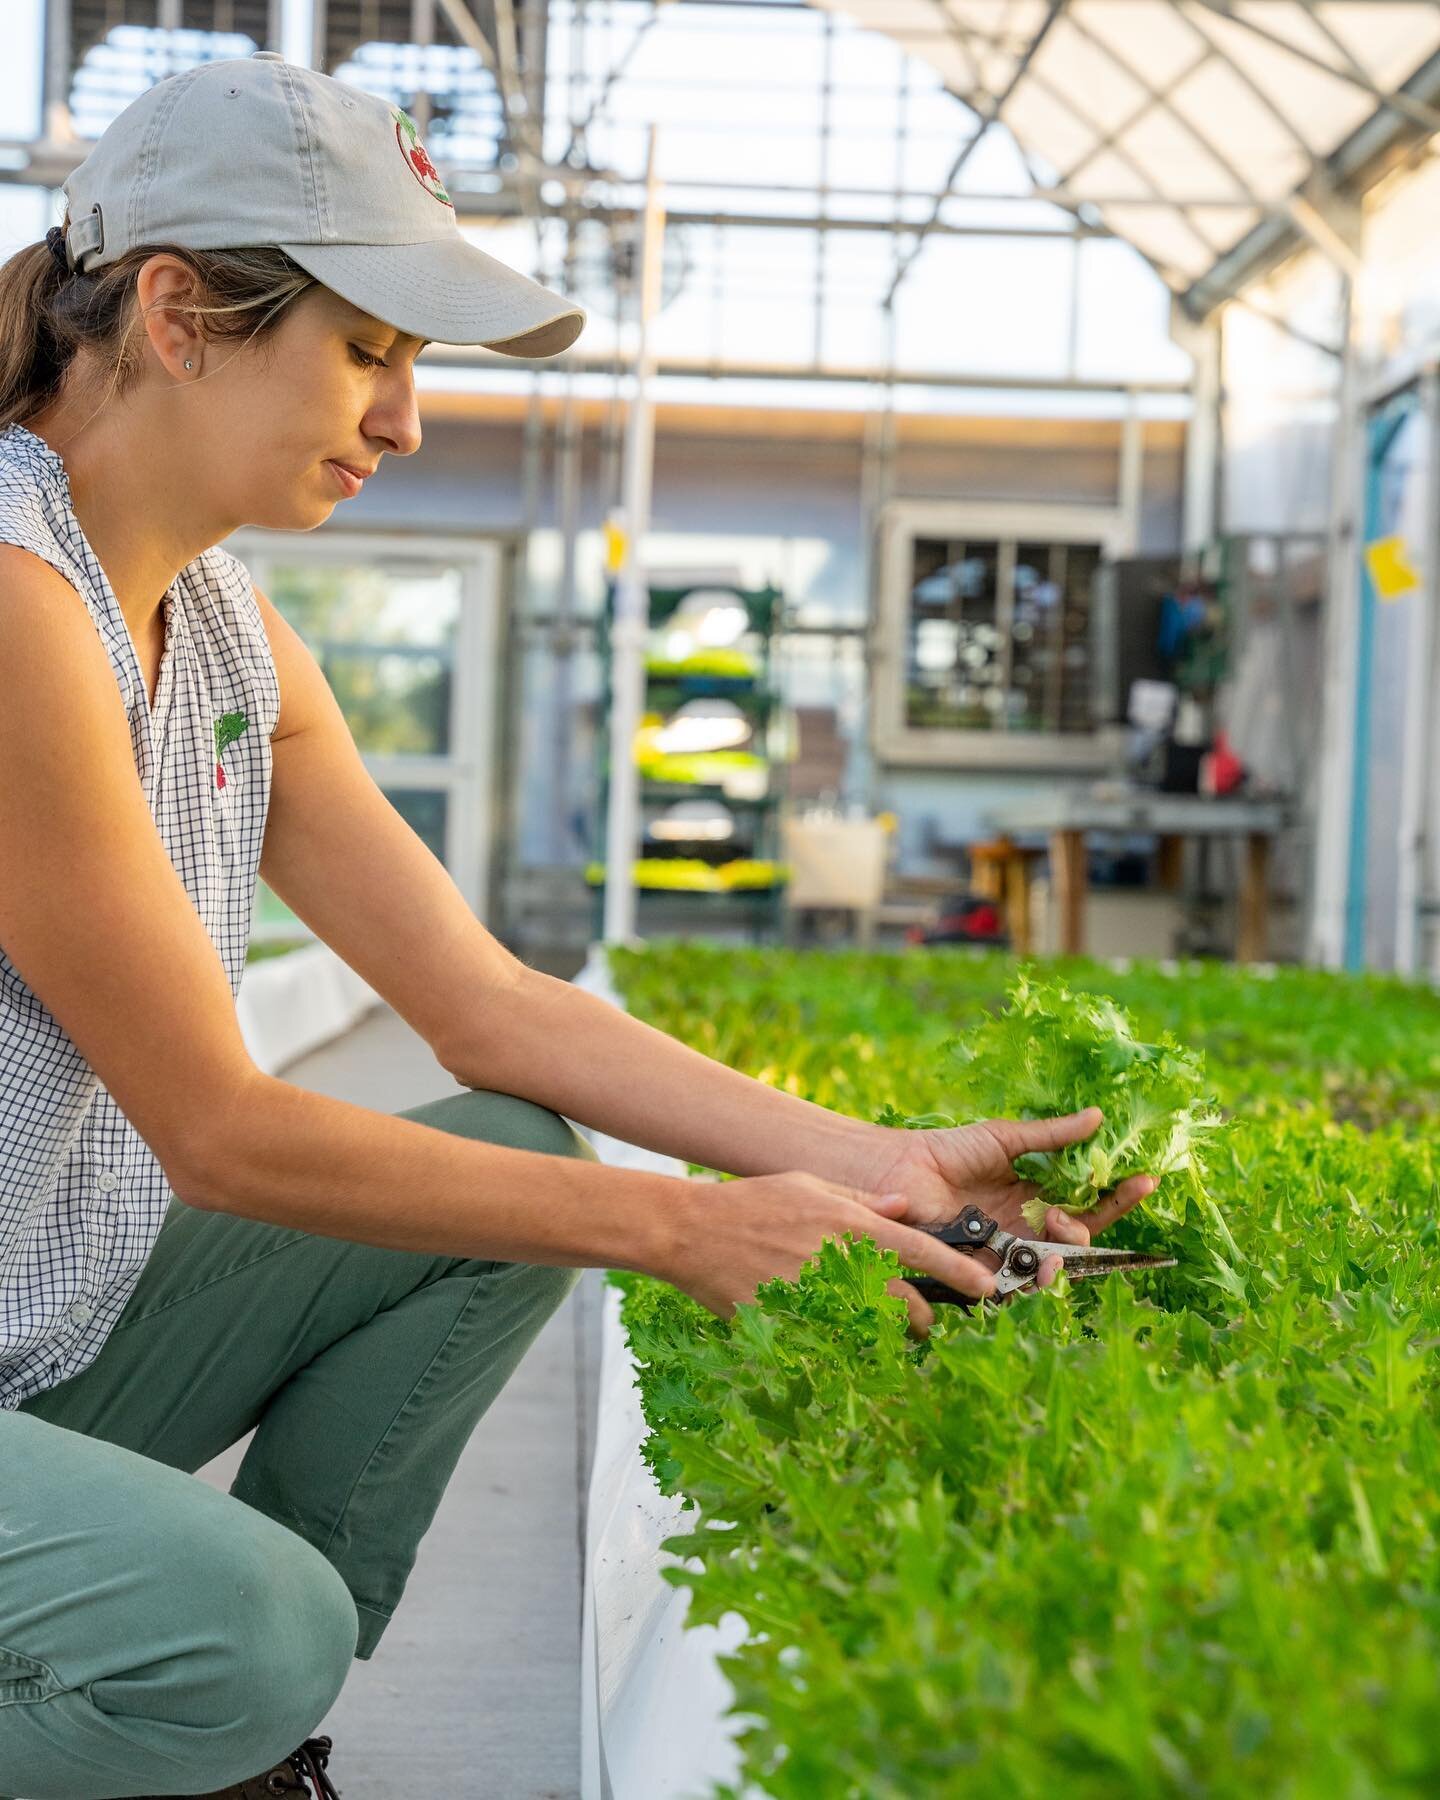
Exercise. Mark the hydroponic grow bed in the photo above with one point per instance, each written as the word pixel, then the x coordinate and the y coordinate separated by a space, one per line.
pixel 1173 1535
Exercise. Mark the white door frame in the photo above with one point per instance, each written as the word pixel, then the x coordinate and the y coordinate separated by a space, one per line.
pixel 466 774
pixel 1412 885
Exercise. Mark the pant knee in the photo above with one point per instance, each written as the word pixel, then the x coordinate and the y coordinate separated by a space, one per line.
pixel 293 1652
pixel 271 1642
pixel 556 1285
pixel 504 1119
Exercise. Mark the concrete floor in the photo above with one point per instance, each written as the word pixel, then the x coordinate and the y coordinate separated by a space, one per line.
pixel 474 1692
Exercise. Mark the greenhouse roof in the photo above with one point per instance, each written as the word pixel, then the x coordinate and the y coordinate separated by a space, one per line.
pixel 1188 127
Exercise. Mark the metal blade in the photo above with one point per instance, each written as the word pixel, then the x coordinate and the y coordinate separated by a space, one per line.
pixel 1118 1262
pixel 1023 1258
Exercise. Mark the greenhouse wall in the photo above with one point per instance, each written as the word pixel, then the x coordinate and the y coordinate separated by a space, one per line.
pixel 787 503
pixel 1282 399
pixel 1330 424
pixel 779 499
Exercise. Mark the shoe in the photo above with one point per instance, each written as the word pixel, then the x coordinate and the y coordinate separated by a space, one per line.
pixel 302 1772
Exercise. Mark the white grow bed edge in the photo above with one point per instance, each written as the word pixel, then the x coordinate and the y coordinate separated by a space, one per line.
pixel 289 1005
pixel 653 1700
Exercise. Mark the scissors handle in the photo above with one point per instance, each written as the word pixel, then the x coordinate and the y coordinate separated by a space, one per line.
pixel 1020 1258
pixel 973 1230
pixel 930 1288
pixel 969 1230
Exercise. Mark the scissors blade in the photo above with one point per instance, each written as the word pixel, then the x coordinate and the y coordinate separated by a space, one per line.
pixel 1084 1260
pixel 1081 1261
pixel 1024 1256
pixel 1020 1258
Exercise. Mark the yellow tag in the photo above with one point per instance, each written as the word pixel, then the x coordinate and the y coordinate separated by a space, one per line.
pixel 616 544
pixel 1394 575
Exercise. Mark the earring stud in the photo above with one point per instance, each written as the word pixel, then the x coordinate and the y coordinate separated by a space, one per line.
pixel 188 363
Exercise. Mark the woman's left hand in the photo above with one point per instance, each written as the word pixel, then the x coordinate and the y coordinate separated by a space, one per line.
pixel 934 1174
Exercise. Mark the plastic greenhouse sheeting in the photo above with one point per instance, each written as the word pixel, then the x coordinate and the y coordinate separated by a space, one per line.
pixel 1179 124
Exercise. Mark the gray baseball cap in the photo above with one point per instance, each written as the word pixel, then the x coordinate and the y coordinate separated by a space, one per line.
pixel 261 151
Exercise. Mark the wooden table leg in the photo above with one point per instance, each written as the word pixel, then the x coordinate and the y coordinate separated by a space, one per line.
pixel 1170 863
pixel 1254 900
pixel 1067 876
pixel 1017 901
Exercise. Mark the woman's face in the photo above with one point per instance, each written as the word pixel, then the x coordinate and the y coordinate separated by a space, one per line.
pixel 295 422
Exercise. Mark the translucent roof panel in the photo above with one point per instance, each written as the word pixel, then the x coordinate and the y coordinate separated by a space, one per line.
pixel 1179 123
pixel 804 157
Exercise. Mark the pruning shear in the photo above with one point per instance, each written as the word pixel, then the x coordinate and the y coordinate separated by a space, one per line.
pixel 1020 1258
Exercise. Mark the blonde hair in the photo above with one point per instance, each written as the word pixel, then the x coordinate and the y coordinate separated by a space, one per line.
pixel 48 315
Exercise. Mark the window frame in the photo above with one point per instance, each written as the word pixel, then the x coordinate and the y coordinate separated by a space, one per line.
pixel 895 741
pixel 469 772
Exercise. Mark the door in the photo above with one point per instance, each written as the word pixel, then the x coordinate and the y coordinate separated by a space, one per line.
pixel 406 636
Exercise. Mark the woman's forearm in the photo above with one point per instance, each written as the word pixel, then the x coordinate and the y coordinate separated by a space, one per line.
pixel 550 1042
pixel 289 1157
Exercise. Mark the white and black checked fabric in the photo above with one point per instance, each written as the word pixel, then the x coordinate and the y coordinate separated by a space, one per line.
pixel 81 1195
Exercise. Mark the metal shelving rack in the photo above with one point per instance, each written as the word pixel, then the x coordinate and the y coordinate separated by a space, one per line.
pixel 758 817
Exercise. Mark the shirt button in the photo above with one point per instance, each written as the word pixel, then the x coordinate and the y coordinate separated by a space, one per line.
pixel 107 1181
pixel 81 1311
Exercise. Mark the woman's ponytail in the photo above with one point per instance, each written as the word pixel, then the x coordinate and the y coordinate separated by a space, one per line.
pixel 49 312
pixel 32 355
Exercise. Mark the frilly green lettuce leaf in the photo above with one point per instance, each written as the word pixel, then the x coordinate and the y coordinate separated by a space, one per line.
pixel 1050 1051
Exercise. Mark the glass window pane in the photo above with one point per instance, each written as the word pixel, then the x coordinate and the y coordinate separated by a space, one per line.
pixel 385 638
pixel 1032 697
pixel 954 663
pixel 1076 578
pixel 132 58
pixel 396 702
pixel 425 810
pixel 983 659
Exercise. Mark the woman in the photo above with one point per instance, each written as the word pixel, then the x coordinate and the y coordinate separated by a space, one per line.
pixel 224 333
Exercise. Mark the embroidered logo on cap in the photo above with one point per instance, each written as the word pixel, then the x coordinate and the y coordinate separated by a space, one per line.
pixel 228 727
pixel 407 136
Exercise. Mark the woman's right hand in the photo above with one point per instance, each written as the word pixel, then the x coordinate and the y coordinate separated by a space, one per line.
pixel 741 1233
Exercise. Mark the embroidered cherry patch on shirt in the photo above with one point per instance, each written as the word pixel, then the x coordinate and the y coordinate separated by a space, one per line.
pixel 228 727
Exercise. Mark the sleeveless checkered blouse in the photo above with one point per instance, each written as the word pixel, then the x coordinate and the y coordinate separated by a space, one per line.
pixel 82 1197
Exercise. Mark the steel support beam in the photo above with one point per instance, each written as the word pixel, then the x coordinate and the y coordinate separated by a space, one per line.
pixel 992 114
pixel 458 358
pixel 1418 112
pixel 1360 159
pixel 56 111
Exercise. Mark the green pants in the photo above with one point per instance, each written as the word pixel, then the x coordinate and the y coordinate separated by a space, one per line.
pixel 160 1637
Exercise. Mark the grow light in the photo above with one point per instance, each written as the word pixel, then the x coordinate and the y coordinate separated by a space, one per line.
pixel 694 821
pixel 702 725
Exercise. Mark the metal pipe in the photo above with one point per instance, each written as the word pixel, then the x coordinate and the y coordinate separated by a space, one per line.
pixel 57 71
pixel 1131 483
pixel 422 35
pixel 988 118
pixel 630 632
pixel 569 453
pixel 1336 775
pixel 863 373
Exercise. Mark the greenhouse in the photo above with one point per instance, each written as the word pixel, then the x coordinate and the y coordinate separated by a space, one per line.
pixel 731 614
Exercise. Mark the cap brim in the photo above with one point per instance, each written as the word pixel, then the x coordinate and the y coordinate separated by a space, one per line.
pixel 446 290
